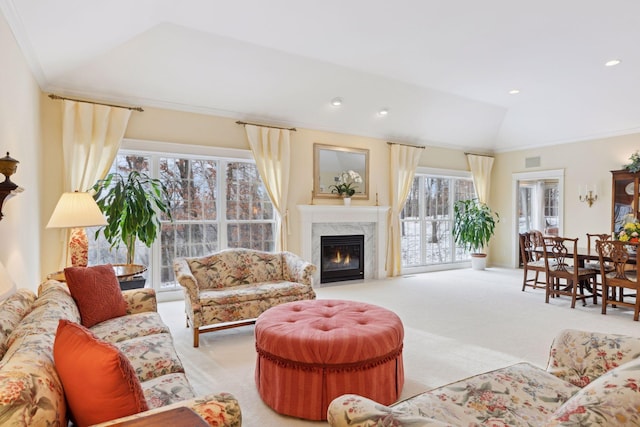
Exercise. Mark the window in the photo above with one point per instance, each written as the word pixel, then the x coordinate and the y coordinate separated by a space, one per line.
pixel 427 220
pixel 216 203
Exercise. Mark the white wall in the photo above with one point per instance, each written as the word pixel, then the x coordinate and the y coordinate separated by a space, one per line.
pixel 588 162
pixel 20 135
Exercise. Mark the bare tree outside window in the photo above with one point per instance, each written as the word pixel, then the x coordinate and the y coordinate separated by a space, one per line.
pixel 247 200
pixel 427 220
pixel 215 204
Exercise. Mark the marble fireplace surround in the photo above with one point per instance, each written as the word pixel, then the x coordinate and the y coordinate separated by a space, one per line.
pixel 325 220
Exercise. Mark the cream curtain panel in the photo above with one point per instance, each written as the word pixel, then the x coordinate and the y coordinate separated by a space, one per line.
pixel 481 171
pixel 271 150
pixel 91 137
pixel 402 168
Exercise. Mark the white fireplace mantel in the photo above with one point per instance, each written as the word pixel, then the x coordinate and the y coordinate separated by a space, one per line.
pixel 375 216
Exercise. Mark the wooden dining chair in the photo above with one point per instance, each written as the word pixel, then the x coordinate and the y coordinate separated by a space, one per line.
pixel 623 257
pixel 591 246
pixel 531 261
pixel 562 265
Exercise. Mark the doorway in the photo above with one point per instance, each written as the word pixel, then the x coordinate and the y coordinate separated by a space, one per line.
pixel 538 204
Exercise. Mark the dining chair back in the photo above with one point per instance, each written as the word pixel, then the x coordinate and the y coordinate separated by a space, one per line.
pixel 564 274
pixel 623 257
pixel 531 261
pixel 591 240
pixel 591 249
pixel 538 240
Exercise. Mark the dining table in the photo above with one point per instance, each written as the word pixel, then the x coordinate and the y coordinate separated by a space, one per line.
pixel 582 254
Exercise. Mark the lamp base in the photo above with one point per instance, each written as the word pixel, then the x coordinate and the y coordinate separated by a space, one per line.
pixel 79 247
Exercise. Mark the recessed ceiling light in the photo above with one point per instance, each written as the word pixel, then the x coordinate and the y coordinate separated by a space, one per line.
pixel 514 91
pixel 383 112
pixel 612 63
pixel 336 102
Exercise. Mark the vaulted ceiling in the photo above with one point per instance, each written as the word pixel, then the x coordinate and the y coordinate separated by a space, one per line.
pixel 443 69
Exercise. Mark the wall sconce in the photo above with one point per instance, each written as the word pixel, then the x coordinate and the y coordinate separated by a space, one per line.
pixel 589 196
pixel 8 167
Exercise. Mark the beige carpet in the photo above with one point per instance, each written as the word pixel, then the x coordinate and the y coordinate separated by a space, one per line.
pixel 457 323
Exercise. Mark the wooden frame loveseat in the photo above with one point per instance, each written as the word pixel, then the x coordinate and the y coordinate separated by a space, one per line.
pixel 233 287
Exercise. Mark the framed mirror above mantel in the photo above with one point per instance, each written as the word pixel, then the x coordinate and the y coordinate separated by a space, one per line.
pixel 330 163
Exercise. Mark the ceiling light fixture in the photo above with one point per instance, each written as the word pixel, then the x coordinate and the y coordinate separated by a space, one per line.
pixel 612 63
pixel 514 91
pixel 336 102
pixel 383 112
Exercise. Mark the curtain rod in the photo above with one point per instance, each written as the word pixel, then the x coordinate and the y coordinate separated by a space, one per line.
pixel 52 96
pixel 265 126
pixel 481 155
pixel 422 147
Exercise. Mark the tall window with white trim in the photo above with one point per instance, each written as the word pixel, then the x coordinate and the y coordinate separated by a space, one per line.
pixel 216 203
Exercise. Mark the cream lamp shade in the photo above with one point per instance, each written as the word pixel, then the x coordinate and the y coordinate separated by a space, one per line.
pixel 7 285
pixel 77 210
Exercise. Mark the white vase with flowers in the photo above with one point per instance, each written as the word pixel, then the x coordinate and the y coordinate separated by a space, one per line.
pixel 345 186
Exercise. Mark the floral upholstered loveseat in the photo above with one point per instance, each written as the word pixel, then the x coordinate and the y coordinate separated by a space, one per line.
pixel 592 379
pixel 234 286
pixel 31 391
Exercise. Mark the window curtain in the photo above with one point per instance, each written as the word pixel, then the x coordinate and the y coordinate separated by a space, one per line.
pixel 91 137
pixel 481 171
pixel 402 168
pixel 271 150
pixel 537 200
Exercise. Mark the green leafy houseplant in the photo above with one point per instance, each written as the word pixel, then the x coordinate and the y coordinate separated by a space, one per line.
pixel 634 166
pixel 131 205
pixel 473 224
pixel 345 186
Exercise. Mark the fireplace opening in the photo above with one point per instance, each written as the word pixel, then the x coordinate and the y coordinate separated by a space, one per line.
pixel 341 258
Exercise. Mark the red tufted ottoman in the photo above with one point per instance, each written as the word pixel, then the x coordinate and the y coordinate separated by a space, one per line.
pixel 310 352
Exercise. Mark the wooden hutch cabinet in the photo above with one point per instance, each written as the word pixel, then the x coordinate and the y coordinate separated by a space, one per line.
pixel 624 197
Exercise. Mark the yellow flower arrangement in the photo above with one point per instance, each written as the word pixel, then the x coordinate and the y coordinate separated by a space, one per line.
pixel 630 232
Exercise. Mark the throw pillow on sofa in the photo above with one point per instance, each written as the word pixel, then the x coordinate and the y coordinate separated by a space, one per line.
pixel 97 293
pixel 98 380
pixel 612 399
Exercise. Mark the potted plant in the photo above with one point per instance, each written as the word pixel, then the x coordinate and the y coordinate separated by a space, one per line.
pixel 634 166
pixel 131 205
pixel 473 226
pixel 345 186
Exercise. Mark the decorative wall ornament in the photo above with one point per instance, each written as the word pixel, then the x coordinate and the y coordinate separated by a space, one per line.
pixel 8 167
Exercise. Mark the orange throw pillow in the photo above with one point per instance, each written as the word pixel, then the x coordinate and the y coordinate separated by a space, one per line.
pixel 97 293
pixel 98 380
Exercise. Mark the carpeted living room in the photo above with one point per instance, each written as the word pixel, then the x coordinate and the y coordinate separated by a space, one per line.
pixel 293 213
pixel 457 323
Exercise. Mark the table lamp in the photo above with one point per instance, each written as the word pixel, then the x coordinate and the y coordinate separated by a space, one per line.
pixel 77 210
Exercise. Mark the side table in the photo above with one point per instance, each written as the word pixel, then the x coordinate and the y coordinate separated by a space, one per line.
pixel 124 272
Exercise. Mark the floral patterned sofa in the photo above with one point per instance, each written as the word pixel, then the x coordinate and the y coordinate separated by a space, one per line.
pixel 591 379
pixel 31 392
pixel 234 286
